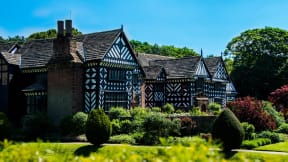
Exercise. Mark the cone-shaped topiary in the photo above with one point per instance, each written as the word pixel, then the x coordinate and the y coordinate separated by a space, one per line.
pixel 98 127
pixel 228 130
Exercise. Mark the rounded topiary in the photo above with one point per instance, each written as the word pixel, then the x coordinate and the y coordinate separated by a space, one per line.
pixel 228 130
pixel 214 108
pixel 5 126
pixel 98 127
pixel 79 121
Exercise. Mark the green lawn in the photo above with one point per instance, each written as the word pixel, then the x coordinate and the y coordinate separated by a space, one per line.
pixel 282 147
pixel 86 152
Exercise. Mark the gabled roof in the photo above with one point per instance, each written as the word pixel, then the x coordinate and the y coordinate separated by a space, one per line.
pixel 97 44
pixel 145 59
pixel 5 47
pixel 13 59
pixel 212 64
pixel 179 68
pixel 36 53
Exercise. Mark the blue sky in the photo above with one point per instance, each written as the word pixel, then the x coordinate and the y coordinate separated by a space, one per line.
pixel 196 24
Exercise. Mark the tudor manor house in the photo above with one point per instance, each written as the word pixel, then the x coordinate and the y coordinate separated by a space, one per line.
pixel 67 74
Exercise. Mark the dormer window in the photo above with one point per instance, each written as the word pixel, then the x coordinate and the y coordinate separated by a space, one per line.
pixel 14 49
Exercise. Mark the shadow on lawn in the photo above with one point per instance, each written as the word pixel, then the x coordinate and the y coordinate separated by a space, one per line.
pixel 86 150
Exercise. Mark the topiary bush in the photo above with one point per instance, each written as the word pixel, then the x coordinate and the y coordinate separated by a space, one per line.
pixel 36 125
pixel 214 108
pixel 228 130
pixel 98 127
pixel 168 108
pixel 5 126
pixel 249 130
pixel 79 121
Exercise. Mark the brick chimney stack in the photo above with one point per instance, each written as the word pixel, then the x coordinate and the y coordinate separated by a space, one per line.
pixel 68 26
pixel 60 28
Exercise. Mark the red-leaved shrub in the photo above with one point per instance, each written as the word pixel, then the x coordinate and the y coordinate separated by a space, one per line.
pixel 279 98
pixel 248 109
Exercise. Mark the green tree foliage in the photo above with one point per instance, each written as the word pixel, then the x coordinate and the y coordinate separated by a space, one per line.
pixel 260 61
pixel 227 128
pixel 51 33
pixel 228 64
pixel 172 51
pixel 168 108
pixel 214 108
pixel 98 127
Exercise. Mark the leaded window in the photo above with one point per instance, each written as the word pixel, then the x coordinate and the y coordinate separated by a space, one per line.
pixel 115 99
pixel 36 103
pixel 116 75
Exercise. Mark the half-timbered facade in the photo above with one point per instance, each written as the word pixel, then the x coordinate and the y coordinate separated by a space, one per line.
pixel 184 82
pixel 69 73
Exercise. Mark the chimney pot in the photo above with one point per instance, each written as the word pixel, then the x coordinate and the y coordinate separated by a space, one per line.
pixel 68 26
pixel 60 28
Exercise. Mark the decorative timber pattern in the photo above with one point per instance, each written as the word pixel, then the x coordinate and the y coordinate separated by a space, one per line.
pixel 178 94
pixel 220 73
pixel 120 54
pixel 201 70
pixel 90 89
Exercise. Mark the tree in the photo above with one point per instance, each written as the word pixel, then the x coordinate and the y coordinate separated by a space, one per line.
pixel 51 33
pixel 279 98
pixel 260 57
pixel 145 47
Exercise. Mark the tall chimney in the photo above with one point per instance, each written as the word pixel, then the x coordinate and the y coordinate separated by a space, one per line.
pixel 68 26
pixel 60 28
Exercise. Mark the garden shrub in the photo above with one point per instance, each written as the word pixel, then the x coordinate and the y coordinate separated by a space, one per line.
pixel 5 126
pixel 156 109
pixel 118 112
pixel 168 108
pixel 250 144
pixel 79 121
pixel 228 130
pixel 98 127
pixel 116 126
pixel 279 99
pixel 249 130
pixel 122 139
pixel 138 113
pixel 187 126
pixel 196 111
pixel 274 137
pixel 156 125
pixel 248 109
pixel 138 136
pixel 214 108
pixel 36 125
pixel 126 126
pixel 277 116
pixel 283 128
